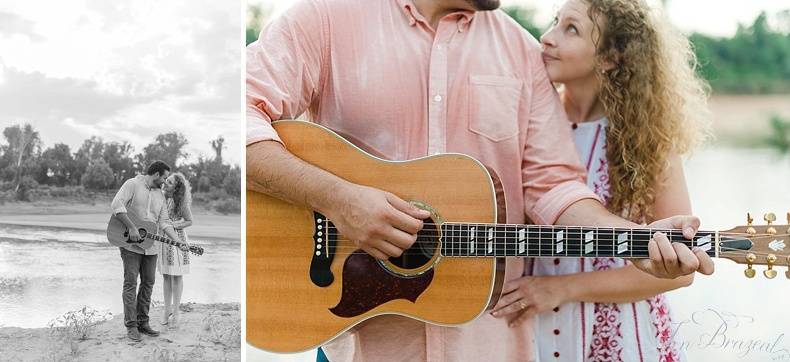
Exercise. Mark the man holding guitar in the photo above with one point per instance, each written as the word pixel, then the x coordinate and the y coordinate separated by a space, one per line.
pixel 410 78
pixel 141 196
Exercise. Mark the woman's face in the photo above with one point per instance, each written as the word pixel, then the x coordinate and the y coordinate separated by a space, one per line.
pixel 169 186
pixel 568 48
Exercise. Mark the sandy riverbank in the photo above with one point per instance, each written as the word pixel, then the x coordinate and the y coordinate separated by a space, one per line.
pixel 206 332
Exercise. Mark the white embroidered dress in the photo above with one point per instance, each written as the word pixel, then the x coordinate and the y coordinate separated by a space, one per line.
pixel 576 332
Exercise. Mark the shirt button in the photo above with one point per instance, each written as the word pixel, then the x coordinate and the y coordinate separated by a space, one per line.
pixel 556 261
pixel 556 332
pixel 439 46
pixel 437 98
pixel 574 126
pixel 557 354
pixel 557 309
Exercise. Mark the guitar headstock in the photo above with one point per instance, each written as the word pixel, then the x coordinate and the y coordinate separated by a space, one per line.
pixel 769 245
pixel 195 249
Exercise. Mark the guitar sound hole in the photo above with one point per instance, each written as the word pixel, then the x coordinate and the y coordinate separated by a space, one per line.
pixel 423 250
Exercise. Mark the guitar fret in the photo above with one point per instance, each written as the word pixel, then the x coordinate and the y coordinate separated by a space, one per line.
pixel 573 241
pixel 522 240
pixel 533 240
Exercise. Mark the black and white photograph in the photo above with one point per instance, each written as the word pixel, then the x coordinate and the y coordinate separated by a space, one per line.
pixel 120 181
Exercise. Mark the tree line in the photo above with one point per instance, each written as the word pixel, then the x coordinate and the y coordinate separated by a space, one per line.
pixel 99 165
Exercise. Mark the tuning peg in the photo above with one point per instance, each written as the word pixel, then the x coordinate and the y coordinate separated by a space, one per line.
pixel 770 273
pixel 749 220
pixel 770 218
pixel 749 272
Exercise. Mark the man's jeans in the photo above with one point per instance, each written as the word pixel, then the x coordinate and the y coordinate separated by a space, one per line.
pixel 135 310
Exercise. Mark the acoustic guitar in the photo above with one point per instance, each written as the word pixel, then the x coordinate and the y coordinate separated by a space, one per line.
pixel 307 284
pixel 118 234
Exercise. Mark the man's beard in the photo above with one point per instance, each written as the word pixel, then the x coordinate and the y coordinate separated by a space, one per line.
pixel 483 5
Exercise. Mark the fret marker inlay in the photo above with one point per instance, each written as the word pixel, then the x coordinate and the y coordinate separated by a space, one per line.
pixel 560 243
pixel 622 243
pixel 472 231
pixel 704 242
pixel 589 245
pixel 522 237
pixel 490 240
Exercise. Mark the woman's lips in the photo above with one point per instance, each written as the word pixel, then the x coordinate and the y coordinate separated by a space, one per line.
pixel 547 58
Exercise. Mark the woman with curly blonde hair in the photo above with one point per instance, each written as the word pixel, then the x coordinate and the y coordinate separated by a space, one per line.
pixel 174 262
pixel 628 84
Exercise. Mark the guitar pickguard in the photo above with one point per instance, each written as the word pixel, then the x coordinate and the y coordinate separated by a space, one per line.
pixel 367 285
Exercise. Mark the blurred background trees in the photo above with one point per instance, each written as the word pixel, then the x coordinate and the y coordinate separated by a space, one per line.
pixel 29 168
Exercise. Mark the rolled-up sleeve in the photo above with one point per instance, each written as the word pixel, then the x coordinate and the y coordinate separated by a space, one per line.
pixel 284 68
pixel 552 173
pixel 122 197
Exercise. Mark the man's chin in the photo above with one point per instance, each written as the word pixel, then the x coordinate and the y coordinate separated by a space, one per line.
pixel 484 5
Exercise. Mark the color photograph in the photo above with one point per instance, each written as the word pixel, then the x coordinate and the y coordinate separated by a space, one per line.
pixel 573 180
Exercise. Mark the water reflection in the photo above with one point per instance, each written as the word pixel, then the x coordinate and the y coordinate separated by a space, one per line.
pixel 728 317
pixel 45 272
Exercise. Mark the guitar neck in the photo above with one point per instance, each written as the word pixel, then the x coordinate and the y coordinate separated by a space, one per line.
pixel 475 240
pixel 163 239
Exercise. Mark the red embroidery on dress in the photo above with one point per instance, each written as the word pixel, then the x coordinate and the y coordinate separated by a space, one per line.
pixel 607 337
pixel 601 180
pixel 659 311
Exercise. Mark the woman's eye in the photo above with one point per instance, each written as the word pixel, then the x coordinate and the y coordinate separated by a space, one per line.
pixel 555 21
pixel 572 29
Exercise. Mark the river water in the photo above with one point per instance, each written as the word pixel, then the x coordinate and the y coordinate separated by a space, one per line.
pixel 45 272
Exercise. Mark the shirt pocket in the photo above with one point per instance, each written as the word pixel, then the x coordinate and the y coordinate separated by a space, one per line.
pixel 493 106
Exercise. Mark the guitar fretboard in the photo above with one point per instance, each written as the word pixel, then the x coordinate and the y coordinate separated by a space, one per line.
pixel 474 240
pixel 163 239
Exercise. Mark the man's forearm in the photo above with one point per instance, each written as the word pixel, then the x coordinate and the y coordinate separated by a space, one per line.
pixel 589 212
pixel 272 170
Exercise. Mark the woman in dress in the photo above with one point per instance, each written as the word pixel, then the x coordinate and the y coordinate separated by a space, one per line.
pixel 628 84
pixel 173 261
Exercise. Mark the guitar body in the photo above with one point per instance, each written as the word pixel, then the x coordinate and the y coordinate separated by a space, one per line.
pixel 289 312
pixel 118 233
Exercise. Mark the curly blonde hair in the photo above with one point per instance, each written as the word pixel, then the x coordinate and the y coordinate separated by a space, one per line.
pixel 182 194
pixel 655 101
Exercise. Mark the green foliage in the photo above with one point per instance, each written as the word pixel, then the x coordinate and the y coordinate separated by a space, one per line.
pixel 524 17
pixel 257 16
pixel 756 60
pixel 780 134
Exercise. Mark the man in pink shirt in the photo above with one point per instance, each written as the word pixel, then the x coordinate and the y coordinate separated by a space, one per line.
pixel 410 78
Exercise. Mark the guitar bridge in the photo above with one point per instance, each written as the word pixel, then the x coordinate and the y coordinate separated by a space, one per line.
pixel 324 241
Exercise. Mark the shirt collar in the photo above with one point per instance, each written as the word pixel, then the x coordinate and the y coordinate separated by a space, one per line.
pixel 463 17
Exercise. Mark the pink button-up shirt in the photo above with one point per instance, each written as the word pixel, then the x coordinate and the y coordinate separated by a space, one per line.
pixel 377 71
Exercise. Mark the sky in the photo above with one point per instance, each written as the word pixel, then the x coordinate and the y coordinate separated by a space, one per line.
pixel 714 17
pixel 123 70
